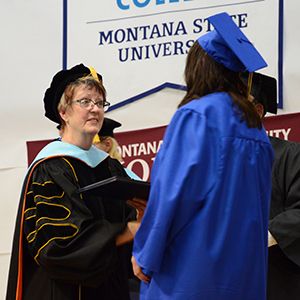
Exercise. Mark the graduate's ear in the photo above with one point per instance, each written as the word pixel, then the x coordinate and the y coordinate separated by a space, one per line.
pixel 260 109
pixel 105 145
pixel 108 143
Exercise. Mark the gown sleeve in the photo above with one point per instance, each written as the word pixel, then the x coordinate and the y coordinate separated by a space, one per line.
pixel 284 222
pixel 186 154
pixel 62 234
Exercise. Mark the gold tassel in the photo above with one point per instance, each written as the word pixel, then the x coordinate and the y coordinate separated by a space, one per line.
pixel 249 85
pixel 94 73
pixel 96 139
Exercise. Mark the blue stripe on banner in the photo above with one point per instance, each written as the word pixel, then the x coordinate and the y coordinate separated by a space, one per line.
pixel 280 56
pixel 145 94
pixel 65 31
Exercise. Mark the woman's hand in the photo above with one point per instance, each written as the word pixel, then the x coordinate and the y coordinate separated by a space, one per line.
pixel 128 234
pixel 140 206
pixel 137 270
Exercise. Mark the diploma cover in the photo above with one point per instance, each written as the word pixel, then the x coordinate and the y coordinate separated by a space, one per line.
pixel 118 188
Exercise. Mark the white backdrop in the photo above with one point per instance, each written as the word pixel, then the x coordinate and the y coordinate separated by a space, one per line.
pixel 31 53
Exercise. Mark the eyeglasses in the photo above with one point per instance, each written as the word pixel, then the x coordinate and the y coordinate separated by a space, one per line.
pixel 89 104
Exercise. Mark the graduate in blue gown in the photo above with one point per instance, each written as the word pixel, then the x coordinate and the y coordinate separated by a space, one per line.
pixel 204 234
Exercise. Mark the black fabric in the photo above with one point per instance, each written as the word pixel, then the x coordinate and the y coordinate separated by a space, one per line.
pixel 69 239
pixel 284 222
pixel 283 276
pixel 264 90
pixel 14 260
pixel 108 127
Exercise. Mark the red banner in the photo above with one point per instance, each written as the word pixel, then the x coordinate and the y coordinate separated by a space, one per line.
pixel 286 127
pixel 138 148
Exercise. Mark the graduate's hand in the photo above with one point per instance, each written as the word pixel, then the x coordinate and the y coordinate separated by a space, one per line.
pixel 137 270
pixel 140 206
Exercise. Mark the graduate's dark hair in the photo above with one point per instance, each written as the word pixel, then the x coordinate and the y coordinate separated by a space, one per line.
pixel 204 76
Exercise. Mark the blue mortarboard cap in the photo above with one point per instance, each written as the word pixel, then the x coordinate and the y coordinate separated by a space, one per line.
pixel 228 46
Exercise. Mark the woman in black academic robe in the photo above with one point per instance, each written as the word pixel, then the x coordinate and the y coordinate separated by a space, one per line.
pixel 70 245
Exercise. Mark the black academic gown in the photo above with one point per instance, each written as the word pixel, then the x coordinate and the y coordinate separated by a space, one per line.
pixel 284 222
pixel 68 246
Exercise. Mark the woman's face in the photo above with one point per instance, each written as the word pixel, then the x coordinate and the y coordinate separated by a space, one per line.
pixel 81 121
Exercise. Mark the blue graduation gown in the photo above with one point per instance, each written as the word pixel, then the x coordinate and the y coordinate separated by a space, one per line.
pixel 204 232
